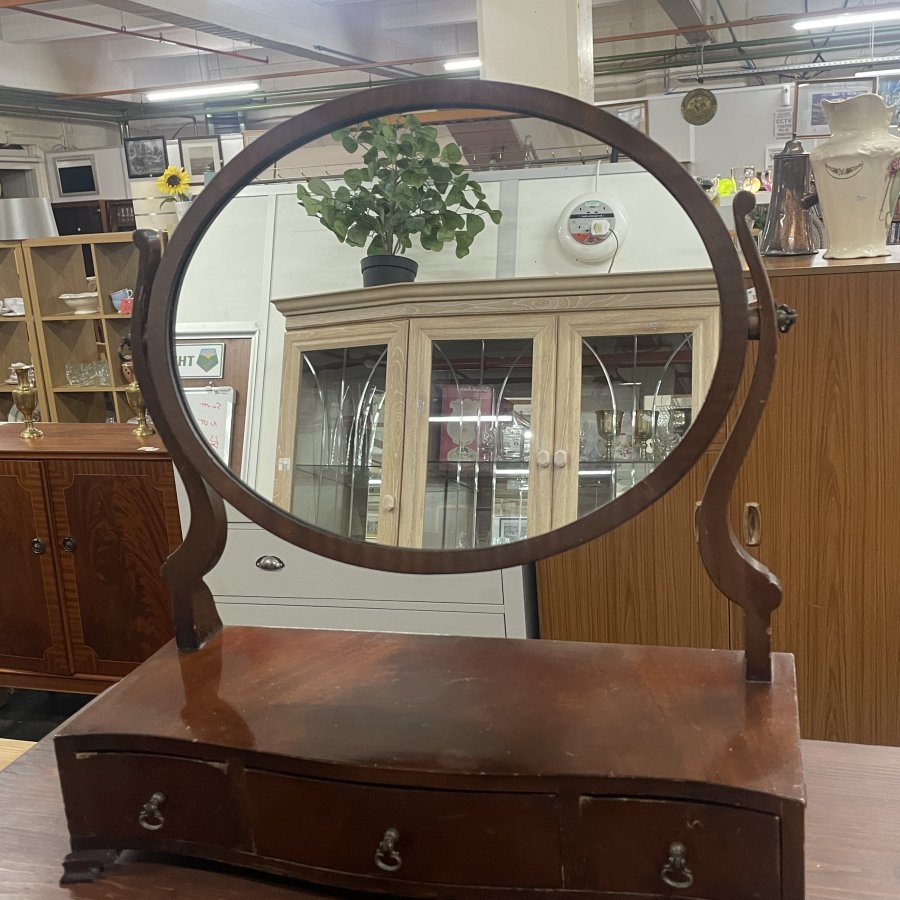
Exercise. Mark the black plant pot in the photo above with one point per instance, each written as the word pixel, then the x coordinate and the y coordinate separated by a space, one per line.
pixel 387 269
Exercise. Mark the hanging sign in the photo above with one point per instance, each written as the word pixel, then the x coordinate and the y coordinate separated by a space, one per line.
pixel 784 122
pixel 200 360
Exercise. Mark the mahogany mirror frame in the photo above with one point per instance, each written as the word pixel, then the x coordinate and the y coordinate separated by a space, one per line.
pixel 156 358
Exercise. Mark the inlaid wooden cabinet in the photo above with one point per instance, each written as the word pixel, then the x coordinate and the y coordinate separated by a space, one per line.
pixel 817 500
pixel 89 516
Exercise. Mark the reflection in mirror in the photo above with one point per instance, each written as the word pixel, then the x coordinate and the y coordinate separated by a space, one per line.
pixel 549 350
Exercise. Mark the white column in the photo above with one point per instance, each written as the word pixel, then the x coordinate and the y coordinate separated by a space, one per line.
pixel 542 43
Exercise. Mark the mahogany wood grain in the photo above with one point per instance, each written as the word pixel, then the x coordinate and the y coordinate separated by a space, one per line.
pixel 643 584
pixel 853 831
pixel 32 633
pixel 98 441
pixel 123 518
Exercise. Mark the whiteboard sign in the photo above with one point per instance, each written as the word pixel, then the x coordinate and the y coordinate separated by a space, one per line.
pixel 213 412
pixel 200 360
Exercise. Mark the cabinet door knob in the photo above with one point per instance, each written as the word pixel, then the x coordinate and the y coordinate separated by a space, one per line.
pixel 560 458
pixel 69 544
pixel 387 857
pixel 269 563
pixel 752 524
pixel 543 458
pixel 676 873
pixel 38 546
pixel 388 503
pixel 151 818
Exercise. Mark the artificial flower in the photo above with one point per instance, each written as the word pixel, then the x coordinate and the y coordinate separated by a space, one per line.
pixel 175 182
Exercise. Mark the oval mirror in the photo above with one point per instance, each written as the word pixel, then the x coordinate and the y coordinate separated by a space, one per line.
pixel 551 331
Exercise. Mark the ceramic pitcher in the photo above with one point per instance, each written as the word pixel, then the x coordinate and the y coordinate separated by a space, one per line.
pixel 856 172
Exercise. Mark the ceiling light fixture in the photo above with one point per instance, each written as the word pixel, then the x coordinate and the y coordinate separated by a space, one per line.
pixel 845 20
pixel 794 67
pixel 462 65
pixel 198 92
pixel 875 73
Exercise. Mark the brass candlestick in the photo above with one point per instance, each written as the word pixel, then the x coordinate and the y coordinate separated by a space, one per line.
pixel 25 397
pixel 136 401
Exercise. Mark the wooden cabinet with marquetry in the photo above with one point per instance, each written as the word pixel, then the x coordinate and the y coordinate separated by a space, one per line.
pixel 89 516
pixel 817 501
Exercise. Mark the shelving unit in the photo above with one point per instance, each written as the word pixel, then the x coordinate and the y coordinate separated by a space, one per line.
pixel 17 333
pixel 61 265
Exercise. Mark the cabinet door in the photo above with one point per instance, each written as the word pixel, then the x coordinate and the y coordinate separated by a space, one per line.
pixel 479 429
pixel 32 637
pixel 115 523
pixel 629 382
pixel 340 441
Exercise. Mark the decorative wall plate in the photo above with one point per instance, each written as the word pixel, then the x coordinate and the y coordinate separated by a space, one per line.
pixel 699 106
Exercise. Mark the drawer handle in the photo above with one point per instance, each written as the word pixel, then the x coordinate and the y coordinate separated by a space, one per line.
pixel 676 873
pixel 386 856
pixel 151 818
pixel 269 563
pixel 752 524
pixel 38 547
pixel 69 544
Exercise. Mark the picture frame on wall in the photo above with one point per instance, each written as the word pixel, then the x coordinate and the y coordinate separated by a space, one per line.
pixel 199 153
pixel 146 157
pixel 889 91
pixel 809 117
pixel 635 113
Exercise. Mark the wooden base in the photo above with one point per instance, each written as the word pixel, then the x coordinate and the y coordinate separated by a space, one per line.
pixel 421 766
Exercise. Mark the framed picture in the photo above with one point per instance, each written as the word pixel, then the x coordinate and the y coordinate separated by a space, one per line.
pixel 146 157
pixel 809 118
pixel 199 153
pixel 508 529
pixel 889 91
pixel 635 113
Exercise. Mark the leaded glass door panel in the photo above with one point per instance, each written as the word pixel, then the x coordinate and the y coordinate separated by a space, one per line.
pixel 479 425
pixel 341 430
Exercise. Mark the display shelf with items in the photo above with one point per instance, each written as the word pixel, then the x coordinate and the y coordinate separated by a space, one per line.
pixel 18 340
pixel 493 438
pixel 81 288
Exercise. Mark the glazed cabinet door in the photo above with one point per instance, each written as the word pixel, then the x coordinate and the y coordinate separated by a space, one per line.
pixel 115 521
pixel 629 383
pixel 479 430
pixel 32 636
pixel 340 440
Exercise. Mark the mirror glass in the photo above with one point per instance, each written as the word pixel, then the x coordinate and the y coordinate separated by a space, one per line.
pixel 554 347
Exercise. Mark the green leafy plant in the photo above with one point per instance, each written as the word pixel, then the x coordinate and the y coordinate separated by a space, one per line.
pixel 410 186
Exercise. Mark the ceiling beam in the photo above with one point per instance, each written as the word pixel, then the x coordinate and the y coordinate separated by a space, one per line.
pixel 12 4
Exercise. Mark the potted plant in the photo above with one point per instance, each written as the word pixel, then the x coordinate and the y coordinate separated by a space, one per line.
pixel 409 186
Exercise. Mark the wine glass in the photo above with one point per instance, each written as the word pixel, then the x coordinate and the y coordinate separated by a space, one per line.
pixel 609 423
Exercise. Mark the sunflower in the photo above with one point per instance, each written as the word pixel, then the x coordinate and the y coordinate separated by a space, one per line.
pixel 175 182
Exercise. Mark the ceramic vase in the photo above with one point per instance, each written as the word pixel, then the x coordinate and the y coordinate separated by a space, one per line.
pixel 856 172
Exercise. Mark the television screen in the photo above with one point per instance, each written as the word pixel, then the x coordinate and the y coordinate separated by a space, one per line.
pixel 76 176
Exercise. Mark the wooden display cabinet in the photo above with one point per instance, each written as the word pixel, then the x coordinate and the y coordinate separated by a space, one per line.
pixel 18 339
pixel 57 266
pixel 88 519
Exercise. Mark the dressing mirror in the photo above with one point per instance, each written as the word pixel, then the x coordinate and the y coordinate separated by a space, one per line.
pixel 543 377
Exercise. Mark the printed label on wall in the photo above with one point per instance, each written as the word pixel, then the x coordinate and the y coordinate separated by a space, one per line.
pixel 200 360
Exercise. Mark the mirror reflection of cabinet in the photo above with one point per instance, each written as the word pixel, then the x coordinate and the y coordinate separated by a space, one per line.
pixel 471 414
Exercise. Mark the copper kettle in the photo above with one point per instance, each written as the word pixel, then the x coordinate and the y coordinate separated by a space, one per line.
pixel 788 230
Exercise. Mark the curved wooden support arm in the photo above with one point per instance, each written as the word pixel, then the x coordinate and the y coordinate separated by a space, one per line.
pixel 196 617
pixel 738 575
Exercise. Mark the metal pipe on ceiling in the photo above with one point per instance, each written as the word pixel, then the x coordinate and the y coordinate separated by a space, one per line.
pixel 124 32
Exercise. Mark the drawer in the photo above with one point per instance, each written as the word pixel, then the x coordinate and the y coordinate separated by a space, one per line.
pixel 107 795
pixel 729 853
pixel 444 837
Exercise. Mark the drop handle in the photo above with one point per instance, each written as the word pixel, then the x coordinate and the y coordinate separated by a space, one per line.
pixel 676 872
pixel 543 459
pixel 752 525
pixel 70 545
pixel 560 459
pixel 387 856
pixel 38 547
pixel 150 817
pixel 270 563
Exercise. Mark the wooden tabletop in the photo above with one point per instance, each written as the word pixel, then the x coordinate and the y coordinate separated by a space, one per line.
pixel 97 440
pixel 816 264
pixel 852 848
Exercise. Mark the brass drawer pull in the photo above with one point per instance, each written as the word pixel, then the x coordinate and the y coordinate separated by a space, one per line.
pixel 752 524
pixel 386 856
pixel 151 818
pixel 676 873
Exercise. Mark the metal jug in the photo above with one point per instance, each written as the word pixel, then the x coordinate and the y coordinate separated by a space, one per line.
pixel 788 230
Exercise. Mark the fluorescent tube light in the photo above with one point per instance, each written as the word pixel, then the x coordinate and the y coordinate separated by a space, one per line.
pixel 868 16
pixel 461 65
pixel 877 73
pixel 486 419
pixel 216 89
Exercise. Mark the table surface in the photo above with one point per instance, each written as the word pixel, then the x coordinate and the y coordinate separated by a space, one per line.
pixel 852 846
